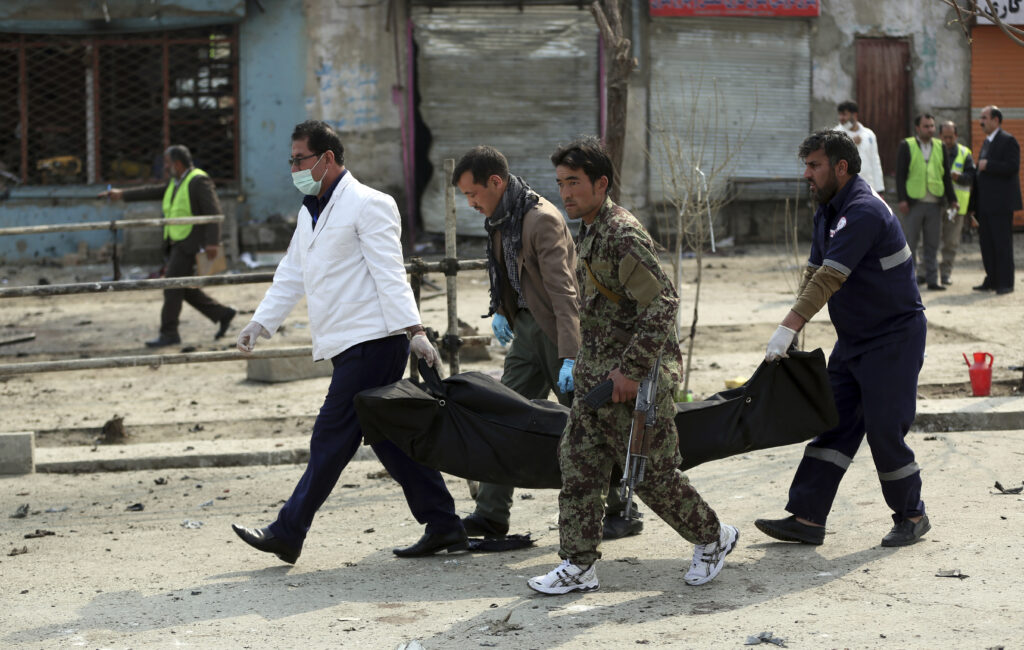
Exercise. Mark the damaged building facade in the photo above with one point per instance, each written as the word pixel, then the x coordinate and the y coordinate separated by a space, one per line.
pixel 92 91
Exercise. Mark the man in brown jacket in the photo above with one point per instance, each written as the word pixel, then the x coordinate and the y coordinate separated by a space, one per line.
pixel 535 306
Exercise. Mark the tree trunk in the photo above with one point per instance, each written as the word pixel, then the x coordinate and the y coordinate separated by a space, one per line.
pixel 619 66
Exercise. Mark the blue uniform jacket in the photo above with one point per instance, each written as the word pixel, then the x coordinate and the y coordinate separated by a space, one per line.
pixel 857 234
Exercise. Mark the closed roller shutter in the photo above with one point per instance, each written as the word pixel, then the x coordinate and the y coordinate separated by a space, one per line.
pixel 760 71
pixel 997 79
pixel 521 81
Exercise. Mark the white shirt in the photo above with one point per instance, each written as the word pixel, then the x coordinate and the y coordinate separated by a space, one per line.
pixel 870 163
pixel 351 270
pixel 992 135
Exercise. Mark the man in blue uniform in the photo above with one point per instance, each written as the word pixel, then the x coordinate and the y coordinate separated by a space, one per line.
pixel 861 266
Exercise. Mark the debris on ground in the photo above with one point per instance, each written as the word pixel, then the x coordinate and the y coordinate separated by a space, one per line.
pixel 135 507
pixel 765 637
pixel 628 560
pixel 18 551
pixel 160 481
pixel 1002 490
pixel 410 645
pixel 496 545
pixel 526 496
pixel 497 628
pixel 951 573
pixel 21 512
pixel 382 474
pixel 190 523
pixel 39 533
pixel 57 509
pixel 113 431
pixel 206 504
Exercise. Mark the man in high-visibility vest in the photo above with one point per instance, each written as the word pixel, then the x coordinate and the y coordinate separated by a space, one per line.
pixel 960 167
pixel 184 241
pixel 921 184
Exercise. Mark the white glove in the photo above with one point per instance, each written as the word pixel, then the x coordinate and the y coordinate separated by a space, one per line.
pixel 778 345
pixel 247 337
pixel 421 345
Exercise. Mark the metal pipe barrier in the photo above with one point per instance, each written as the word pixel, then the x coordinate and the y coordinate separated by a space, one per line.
pixel 416 268
pixel 113 226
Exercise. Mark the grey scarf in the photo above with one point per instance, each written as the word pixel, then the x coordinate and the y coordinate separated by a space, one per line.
pixel 517 200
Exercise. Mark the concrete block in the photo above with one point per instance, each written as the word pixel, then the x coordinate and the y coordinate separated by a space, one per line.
pixel 17 452
pixel 286 369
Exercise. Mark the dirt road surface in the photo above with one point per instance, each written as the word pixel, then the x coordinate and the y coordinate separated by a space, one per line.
pixel 110 577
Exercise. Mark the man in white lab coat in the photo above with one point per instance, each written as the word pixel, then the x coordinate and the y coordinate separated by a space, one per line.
pixel 345 258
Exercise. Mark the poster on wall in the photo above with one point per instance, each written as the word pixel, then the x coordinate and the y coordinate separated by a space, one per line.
pixel 1010 12
pixel 762 8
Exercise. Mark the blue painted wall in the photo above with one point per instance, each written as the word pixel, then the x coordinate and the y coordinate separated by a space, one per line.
pixel 272 73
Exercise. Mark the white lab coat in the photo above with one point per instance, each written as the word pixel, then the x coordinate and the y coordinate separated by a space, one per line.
pixel 351 270
pixel 870 163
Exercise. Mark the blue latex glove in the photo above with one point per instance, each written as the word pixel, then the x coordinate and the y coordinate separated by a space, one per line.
pixel 501 329
pixel 565 382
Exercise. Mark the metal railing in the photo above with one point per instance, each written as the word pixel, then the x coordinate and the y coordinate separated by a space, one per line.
pixel 416 267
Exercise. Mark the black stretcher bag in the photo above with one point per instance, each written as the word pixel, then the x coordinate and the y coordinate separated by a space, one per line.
pixel 472 426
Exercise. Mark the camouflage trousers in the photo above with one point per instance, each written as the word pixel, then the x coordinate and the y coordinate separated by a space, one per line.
pixel 594 441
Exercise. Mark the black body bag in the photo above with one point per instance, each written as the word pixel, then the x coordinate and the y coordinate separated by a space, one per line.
pixel 470 425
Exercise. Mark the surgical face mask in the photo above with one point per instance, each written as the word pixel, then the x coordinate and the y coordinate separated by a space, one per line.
pixel 303 179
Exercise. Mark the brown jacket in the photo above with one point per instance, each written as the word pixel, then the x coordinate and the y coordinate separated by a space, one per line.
pixel 547 277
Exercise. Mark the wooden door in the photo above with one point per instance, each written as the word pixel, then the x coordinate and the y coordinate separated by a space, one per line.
pixel 883 95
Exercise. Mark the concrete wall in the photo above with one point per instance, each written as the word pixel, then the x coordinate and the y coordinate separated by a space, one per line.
pixel 350 71
pixel 940 55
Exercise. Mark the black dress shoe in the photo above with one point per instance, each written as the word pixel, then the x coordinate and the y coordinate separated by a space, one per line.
pixel 479 526
pixel 982 287
pixel 262 539
pixel 907 532
pixel 1004 291
pixel 225 323
pixel 617 527
pixel 163 341
pixel 791 530
pixel 431 544
pixel 936 287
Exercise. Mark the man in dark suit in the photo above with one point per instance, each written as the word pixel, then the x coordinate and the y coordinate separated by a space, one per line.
pixel 995 196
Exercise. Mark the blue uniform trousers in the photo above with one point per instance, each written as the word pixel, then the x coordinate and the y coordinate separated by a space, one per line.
pixel 336 437
pixel 876 394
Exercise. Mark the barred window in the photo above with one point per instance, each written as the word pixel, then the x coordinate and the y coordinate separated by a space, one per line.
pixel 102 109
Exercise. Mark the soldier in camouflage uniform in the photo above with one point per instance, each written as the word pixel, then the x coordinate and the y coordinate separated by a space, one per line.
pixel 627 318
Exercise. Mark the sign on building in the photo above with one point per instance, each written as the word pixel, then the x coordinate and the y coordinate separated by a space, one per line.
pixel 740 7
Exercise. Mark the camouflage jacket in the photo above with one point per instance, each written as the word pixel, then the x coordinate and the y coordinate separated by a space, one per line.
pixel 628 334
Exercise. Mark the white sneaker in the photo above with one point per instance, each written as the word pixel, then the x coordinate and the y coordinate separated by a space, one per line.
pixel 564 578
pixel 709 558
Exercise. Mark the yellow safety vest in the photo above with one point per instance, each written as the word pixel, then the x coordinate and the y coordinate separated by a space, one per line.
pixel 177 204
pixel 921 176
pixel 963 192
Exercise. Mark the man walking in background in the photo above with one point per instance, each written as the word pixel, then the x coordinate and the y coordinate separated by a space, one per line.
pixel 996 196
pixel 199 198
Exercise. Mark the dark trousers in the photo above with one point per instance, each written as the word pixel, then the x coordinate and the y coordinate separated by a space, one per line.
pixel 336 437
pixel 181 262
pixel 995 235
pixel 876 394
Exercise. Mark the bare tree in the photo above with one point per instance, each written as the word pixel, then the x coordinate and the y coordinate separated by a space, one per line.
pixel 694 157
pixel 967 9
pixel 608 16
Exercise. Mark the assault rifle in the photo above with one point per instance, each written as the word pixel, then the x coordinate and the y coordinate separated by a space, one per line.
pixel 645 414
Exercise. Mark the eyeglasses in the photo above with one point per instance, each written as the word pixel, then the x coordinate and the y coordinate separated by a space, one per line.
pixel 295 160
